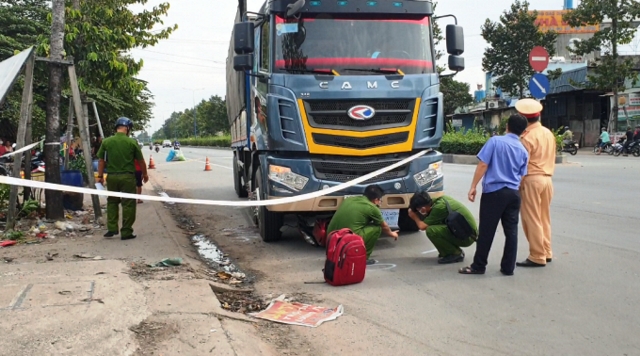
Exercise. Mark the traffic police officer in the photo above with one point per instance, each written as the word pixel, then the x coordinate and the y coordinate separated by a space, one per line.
pixel 536 188
pixel 120 153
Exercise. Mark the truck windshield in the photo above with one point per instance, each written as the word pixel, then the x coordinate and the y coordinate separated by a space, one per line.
pixel 353 46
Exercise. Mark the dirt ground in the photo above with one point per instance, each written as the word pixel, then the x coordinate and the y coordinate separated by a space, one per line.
pixel 109 297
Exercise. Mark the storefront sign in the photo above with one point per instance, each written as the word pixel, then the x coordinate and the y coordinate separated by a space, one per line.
pixel 630 103
pixel 552 21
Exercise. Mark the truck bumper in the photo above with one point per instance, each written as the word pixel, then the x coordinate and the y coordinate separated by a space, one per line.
pixel 398 190
pixel 331 203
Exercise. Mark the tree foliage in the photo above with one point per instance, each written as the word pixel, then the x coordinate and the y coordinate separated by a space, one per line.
pixel 511 39
pixel 98 35
pixel 456 94
pixel 611 71
pixel 211 115
pixel 21 23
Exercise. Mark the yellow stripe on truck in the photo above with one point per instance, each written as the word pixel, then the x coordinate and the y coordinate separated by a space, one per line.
pixel 333 150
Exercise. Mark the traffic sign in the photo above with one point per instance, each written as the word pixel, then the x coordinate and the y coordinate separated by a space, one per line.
pixel 539 86
pixel 539 58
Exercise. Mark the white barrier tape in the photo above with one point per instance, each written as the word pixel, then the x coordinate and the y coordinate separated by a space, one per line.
pixel 288 200
pixel 25 148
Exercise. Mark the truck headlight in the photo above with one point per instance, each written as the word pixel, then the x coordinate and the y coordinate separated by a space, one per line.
pixel 284 176
pixel 428 175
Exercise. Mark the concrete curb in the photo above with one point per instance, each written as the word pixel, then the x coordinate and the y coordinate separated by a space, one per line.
pixel 473 160
pixel 459 159
pixel 560 159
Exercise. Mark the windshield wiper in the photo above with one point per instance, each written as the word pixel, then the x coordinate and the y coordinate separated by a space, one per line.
pixel 378 70
pixel 315 70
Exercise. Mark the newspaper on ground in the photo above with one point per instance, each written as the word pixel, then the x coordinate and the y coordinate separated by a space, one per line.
pixel 281 311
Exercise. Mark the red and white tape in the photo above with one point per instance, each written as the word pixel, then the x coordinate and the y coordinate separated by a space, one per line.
pixel 166 199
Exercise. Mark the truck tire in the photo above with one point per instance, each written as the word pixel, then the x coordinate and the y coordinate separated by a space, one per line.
pixel 241 190
pixel 269 222
pixel 405 223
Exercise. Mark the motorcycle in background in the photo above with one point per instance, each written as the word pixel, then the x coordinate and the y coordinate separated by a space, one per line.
pixel 570 147
pixel 618 147
pixel 608 148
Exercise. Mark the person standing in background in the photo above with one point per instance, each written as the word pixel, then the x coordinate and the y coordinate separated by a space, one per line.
pixel 120 153
pixel 536 188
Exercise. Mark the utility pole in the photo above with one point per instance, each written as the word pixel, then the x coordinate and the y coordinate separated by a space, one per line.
pixel 53 198
pixel 195 120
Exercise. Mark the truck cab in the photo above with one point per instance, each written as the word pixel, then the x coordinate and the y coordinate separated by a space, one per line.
pixel 321 92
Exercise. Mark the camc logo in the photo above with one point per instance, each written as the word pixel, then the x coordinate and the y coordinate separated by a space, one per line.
pixel 361 112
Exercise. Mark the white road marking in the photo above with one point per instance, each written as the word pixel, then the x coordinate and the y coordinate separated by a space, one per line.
pixel 430 251
pixel 381 267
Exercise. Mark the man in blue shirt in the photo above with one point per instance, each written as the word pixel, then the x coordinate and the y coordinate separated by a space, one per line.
pixel 503 162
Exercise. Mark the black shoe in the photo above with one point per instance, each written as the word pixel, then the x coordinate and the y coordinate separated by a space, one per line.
pixel 506 273
pixel 371 261
pixel 128 237
pixel 111 234
pixel 549 260
pixel 451 259
pixel 529 263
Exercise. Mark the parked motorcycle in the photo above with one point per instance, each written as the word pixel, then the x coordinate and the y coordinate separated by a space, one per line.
pixel 634 148
pixel 570 147
pixel 618 147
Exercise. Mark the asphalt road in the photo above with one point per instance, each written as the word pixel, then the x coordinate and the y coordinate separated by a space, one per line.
pixel 586 302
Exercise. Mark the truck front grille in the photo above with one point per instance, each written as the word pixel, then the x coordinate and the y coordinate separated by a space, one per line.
pixel 361 143
pixel 333 114
pixel 340 171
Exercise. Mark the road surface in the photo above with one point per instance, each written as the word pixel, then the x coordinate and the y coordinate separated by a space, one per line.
pixel 586 302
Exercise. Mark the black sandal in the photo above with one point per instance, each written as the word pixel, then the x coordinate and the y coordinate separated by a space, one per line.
pixel 469 270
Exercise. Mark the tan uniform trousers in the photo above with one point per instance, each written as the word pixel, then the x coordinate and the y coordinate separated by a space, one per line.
pixel 536 192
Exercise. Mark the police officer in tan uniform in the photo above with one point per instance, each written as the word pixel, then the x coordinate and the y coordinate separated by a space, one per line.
pixel 536 188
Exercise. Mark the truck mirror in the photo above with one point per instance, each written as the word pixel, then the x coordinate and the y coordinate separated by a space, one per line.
pixel 294 9
pixel 455 40
pixel 243 62
pixel 243 38
pixel 456 63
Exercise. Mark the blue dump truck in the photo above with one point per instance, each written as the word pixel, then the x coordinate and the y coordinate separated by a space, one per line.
pixel 320 92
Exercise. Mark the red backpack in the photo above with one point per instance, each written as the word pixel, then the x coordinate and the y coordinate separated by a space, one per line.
pixel 320 231
pixel 346 258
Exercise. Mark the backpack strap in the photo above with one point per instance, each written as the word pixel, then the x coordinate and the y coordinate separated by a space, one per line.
pixel 448 206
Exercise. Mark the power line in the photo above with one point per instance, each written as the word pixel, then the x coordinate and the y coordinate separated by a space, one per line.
pixel 176 55
pixel 173 70
pixel 195 40
pixel 186 64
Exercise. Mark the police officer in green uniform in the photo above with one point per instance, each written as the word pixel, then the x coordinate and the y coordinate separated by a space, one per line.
pixel 120 153
pixel 430 215
pixel 362 216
